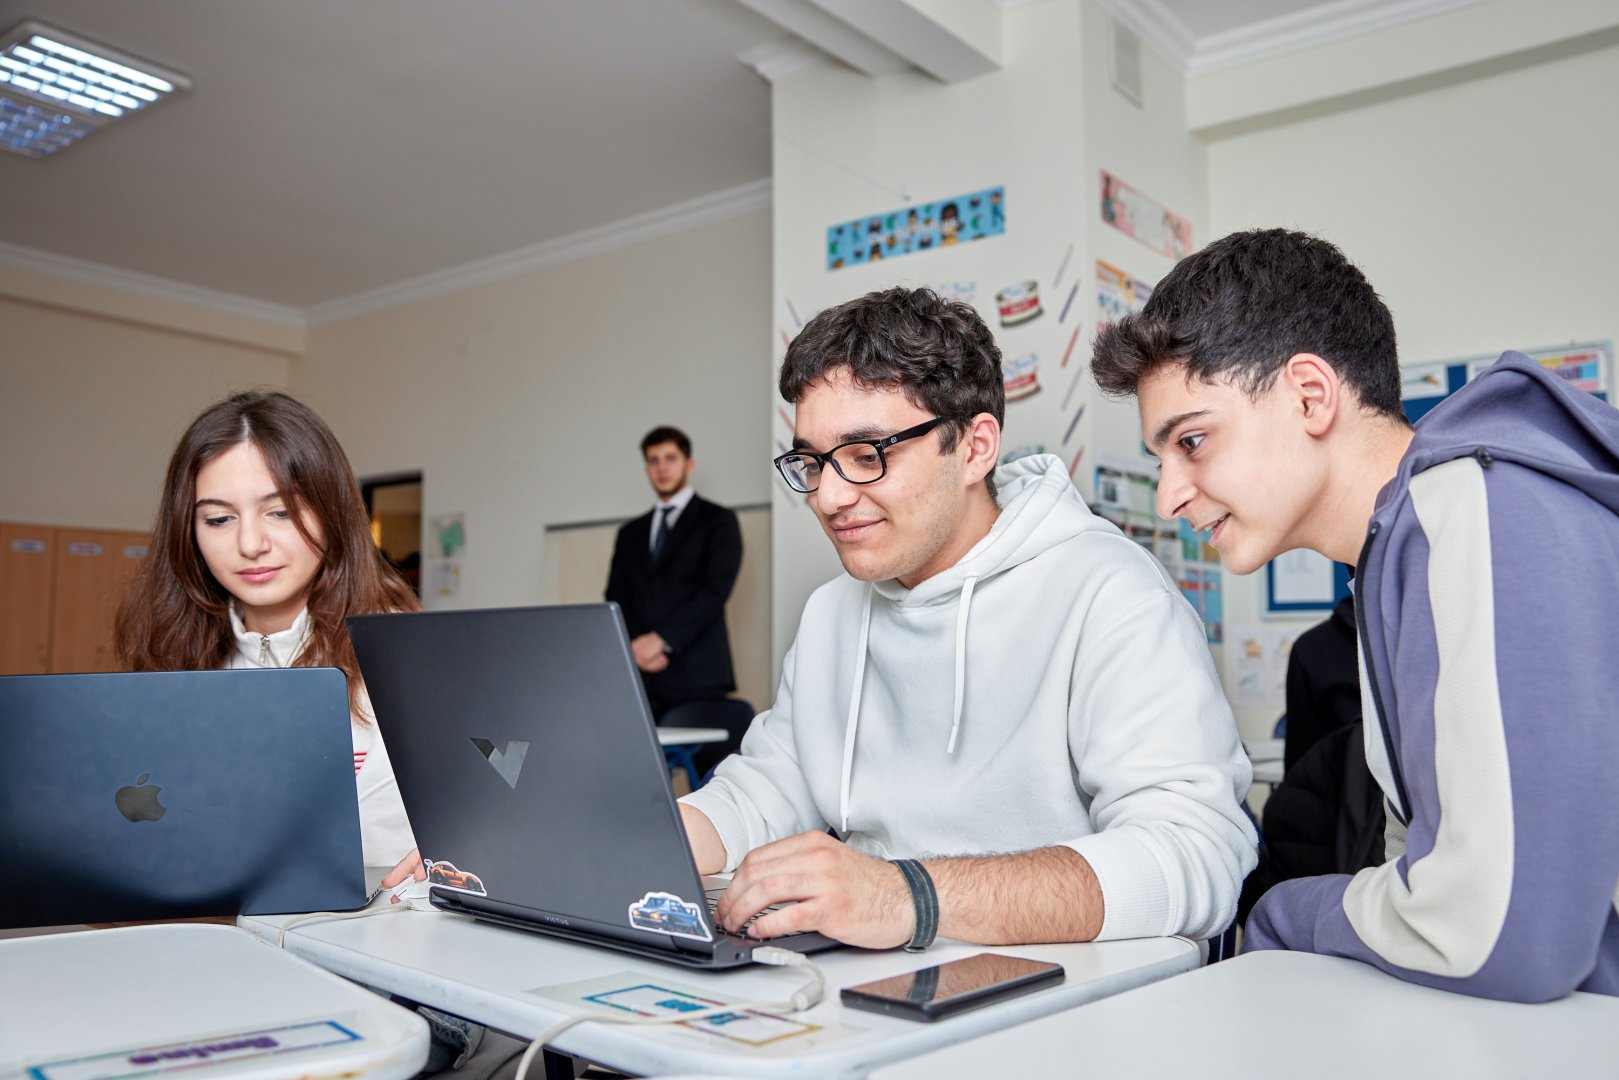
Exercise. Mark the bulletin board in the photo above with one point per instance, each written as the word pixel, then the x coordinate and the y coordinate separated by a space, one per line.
pixel 1303 582
pixel 1587 366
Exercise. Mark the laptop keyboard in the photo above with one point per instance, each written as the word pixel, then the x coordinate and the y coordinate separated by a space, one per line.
pixel 713 896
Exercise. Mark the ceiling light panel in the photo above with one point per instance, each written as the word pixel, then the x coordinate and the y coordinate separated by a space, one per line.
pixel 56 88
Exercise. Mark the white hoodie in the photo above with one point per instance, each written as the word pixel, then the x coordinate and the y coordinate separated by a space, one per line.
pixel 1053 687
pixel 385 835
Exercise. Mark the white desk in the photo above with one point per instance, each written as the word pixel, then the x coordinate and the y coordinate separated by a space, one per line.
pixel 1276 1014
pixel 677 744
pixel 487 973
pixel 1267 757
pixel 691 736
pixel 145 999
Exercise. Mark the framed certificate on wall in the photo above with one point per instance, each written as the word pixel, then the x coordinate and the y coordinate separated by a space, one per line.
pixel 1302 582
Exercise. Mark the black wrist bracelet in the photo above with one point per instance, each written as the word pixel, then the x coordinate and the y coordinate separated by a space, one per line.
pixel 926 900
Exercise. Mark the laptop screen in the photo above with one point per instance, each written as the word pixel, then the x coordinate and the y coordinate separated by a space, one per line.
pixel 177 794
pixel 530 767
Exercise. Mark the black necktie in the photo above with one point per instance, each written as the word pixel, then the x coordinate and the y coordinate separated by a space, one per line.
pixel 660 531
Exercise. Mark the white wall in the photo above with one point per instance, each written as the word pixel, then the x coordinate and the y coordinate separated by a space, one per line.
pixel 523 401
pixel 1148 148
pixel 90 409
pixel 845 141
pixel 1044 125
pixel 1483 213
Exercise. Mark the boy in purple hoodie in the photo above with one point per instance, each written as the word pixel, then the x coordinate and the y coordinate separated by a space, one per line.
pixel 1486 542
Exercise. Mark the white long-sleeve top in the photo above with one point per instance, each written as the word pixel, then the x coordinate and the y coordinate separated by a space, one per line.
pixel 1052 688
pixel 385 835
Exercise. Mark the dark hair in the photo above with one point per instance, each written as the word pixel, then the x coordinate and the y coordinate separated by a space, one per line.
pixel 176 617
pixel 937 352
pixel 1247 303
pixel 662 434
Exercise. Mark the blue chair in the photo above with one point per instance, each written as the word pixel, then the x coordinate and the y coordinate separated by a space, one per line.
pixel 733 715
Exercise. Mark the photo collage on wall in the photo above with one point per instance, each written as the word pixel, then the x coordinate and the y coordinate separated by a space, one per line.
pixel 930 226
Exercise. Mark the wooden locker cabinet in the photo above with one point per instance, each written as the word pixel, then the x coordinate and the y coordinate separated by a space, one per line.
pixel 27 569
pixel 59 592
pixel 93 567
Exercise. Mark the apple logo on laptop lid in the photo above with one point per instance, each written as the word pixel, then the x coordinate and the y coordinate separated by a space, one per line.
pixel 138 802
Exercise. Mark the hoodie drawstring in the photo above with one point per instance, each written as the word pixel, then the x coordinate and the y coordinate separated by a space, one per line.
pixel 961 660
pixel 853 723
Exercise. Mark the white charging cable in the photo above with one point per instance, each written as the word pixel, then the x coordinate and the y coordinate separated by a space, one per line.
pixel 806 997
pixel 363 913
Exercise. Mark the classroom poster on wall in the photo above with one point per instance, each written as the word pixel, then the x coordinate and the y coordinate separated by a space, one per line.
pixel 1126 494
pixel 1146 219
pixel 1584 367
pixel 1587 367
pixel 449 541
pixel 930 226
pixel 1259 663
pixel 1118 294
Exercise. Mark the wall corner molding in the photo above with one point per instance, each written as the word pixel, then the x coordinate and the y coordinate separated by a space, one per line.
pixel 151 286
pixel 679 217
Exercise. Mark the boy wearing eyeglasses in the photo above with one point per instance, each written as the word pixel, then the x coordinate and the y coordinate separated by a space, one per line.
pixel 1004 709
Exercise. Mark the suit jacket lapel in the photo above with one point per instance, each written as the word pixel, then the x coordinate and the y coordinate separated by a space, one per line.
pixel 640 535
pixel 677 534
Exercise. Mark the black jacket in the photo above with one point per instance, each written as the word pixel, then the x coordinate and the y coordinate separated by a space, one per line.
pixel 1325 817
pixel 682 597
pixel 1323 683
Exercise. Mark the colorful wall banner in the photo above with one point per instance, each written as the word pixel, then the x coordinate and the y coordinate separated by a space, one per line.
pixel 925 227
pixel 1118 294
pixel 1148 220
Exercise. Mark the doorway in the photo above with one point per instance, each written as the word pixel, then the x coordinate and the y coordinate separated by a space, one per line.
pixel 394 505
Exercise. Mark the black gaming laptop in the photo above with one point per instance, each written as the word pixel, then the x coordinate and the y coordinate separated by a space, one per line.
pixel 534 780
pixel 177 794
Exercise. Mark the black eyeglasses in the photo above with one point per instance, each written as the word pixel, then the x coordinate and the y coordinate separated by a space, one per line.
pixel 858 462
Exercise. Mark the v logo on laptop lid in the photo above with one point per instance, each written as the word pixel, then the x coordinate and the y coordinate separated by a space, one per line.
pixel 508 762
pixel 590 845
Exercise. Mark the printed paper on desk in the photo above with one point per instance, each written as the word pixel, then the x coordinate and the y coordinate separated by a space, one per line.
pixel 753 1033
pixel 747 1027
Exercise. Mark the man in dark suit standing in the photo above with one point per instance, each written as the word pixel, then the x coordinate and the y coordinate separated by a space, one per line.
pixel 673 569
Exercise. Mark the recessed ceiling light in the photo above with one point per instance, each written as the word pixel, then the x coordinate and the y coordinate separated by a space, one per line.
pixel 56 88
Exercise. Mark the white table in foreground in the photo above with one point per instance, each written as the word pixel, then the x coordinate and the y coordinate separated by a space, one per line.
pixel 491 974
pixel 209 999
pixel 1279 1014
pixel 1267 758
pixel 691 736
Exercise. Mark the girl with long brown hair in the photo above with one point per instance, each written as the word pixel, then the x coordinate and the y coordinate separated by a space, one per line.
pixel 261 549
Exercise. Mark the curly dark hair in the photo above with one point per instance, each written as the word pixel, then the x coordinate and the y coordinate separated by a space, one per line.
pixel 937 352
pixel 1243 306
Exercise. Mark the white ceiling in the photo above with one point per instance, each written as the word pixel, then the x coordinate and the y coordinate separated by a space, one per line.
pixel 332 147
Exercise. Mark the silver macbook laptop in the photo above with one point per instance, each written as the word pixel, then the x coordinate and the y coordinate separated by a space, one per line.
pixel 536 787
pixel 177 794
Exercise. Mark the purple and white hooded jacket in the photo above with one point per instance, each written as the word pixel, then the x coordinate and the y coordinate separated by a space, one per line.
pixel 1488 610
